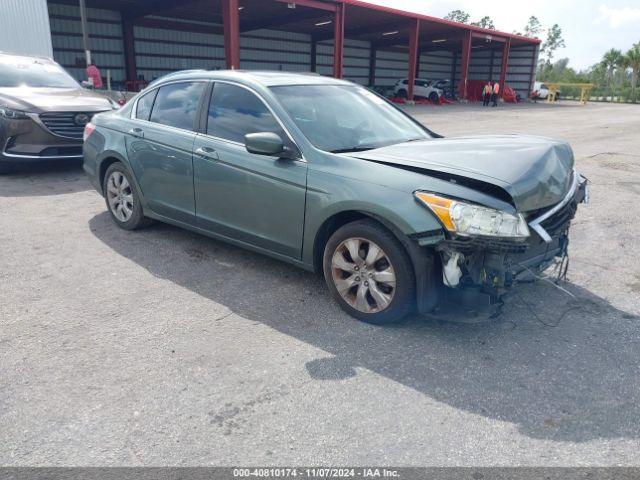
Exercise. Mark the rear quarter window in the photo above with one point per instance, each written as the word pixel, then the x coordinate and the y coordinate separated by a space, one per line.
pixel 143 107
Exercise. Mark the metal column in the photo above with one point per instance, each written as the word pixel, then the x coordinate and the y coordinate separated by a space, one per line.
pixel 373 54
pixel 129 49
pixel 504 66
pixel 338 40
pixel 534 64
pixel 231 27
pixel 464 63
pixel 85 32
pixel 414 34
pixel 314 55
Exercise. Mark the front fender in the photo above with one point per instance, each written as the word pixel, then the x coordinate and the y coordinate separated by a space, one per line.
pixel 399 210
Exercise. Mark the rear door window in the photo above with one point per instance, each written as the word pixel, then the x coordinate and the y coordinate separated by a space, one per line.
pixel 235 111
pixel 176 104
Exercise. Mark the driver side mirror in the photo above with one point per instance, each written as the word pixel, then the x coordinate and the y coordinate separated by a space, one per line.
pixel 266 143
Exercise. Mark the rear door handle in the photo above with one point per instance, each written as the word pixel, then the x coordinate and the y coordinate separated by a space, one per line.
pixel 207 152
pixel 137 132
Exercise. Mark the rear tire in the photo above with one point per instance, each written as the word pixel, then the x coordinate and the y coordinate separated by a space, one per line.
pixel 123 198
pixel 378 285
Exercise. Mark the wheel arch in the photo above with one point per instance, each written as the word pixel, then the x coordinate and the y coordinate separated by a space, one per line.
pixel 339 219
pixel 425 263
pixel 107 159
pixel 110 157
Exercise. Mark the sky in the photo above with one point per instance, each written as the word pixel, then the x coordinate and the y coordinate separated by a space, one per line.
pixel 589 27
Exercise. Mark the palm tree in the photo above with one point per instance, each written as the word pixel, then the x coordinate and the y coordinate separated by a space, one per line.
pixel 610 61
pixel 632 61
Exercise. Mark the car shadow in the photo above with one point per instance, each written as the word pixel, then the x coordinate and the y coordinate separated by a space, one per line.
pixel 558 368
pixel 43 179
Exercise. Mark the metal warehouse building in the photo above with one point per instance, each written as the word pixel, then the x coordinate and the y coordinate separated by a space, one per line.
pixel 368 44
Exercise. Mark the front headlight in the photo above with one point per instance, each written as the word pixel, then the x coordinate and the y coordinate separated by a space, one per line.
pixel 467 219
pixel 6 112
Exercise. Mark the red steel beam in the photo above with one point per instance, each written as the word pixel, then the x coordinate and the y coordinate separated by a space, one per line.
pixel 231 27
pixel 338 40
pixel 414 34
pixel 504 66
pixel 532 73
pixel 129 49
pixel 465 57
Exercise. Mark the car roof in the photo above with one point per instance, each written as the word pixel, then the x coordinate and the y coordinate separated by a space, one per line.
pixel 264 78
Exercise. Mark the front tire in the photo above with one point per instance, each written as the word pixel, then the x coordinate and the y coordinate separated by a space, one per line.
pixel 123 198
pixel 369 273
pixel 402 93
pixel 433 97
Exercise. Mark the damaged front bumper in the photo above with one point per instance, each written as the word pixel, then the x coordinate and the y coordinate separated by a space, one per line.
pixel 477 271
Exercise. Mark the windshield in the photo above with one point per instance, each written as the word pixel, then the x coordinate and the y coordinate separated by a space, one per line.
pixel 344 118
pixel 32 72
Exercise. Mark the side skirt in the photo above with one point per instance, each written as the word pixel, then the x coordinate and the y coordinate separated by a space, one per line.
pixel 229 240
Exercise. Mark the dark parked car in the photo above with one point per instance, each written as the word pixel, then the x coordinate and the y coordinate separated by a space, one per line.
pixel 331 177
pixel 43 111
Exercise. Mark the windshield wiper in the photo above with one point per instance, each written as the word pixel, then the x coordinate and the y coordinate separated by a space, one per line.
pixel 352 149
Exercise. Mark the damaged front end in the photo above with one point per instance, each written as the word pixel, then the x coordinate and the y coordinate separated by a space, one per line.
pixel 481 262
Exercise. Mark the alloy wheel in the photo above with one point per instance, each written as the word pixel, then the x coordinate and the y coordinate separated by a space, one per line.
pixel 363 275
pixel 120 196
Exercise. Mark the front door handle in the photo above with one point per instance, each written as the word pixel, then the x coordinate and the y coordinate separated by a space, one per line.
pixel 207 152
pixel 137 132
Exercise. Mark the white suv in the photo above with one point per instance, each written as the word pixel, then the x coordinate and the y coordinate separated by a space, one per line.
pixel 421 88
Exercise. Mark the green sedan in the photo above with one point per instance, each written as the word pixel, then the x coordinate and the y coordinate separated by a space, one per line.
pixel 329 176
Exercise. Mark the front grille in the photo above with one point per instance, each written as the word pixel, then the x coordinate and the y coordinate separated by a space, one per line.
pixel 66 124
pixel 559 222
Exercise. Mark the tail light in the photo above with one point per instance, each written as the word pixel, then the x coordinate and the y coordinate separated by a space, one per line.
pixel 88 130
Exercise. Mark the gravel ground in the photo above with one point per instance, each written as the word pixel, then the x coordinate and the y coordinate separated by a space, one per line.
pixel 162 347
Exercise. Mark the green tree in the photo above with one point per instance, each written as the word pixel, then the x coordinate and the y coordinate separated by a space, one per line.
pixel 533 27
pixel 632 61
pixel 458 16
pixel 553 42
pixel 484 22
pixel 597 75
pixel 611 60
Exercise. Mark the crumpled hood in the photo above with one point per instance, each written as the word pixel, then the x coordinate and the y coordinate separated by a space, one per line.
pixel 534 171
pixel 40 100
